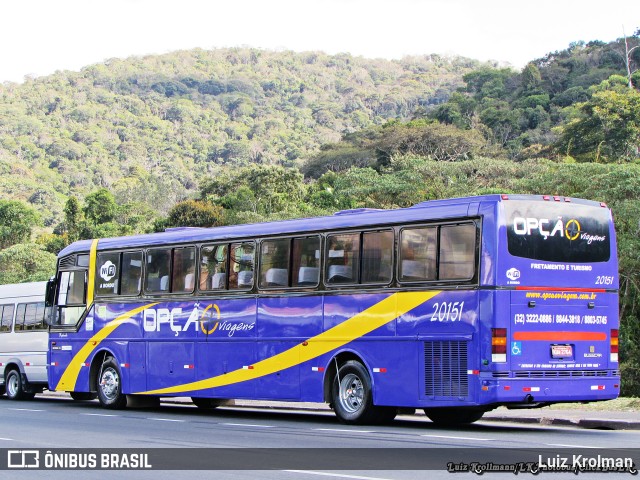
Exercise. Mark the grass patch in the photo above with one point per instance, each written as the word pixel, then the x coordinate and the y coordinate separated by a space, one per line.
pixel 623 404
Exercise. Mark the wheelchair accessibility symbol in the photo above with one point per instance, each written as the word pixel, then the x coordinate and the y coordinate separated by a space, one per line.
pixel 516 348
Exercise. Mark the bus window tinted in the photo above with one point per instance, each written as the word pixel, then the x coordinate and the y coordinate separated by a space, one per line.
pixel 30 316
pixel 184 269
pixel 131 273
pixel 6 317
pixel 377 257
pixel 306 261
pixel 558 232
pixel 213 267
pixel 418 254
pixel 108 271
pixel 158 264
pixel 274 263
pixel 457 252
pixel 241 266
pixel 343 258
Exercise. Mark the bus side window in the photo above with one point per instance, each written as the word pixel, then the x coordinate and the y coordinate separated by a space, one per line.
pixel 377 257
pixel 418 248
pixel 274 263
pixel 158 265
pixel 457 252
pixel 343 252
pixel 242 266
pixel 31 316
pixel 6 318
pixel 306 262
pixel 21 312
pixel 183 271
pixel 213 267
pixel 131 273
pixel 107 273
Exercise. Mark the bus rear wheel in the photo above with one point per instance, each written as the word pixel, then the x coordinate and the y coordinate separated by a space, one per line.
pixel 15 388
pixel 353 398
pixel 453 416
pixel 109 386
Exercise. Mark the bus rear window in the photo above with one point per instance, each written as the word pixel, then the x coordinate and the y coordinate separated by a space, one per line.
pixel 557 232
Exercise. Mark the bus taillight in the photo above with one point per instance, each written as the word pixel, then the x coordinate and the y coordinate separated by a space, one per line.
pixel 499 345
pixel 614 345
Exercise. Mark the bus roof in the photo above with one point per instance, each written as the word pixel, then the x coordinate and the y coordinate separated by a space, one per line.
pixel 428 210
pixel 19 290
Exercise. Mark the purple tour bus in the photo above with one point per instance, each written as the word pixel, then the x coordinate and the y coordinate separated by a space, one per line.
pixel 452 306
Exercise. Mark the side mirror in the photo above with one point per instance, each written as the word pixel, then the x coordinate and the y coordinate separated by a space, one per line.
pixel 50 294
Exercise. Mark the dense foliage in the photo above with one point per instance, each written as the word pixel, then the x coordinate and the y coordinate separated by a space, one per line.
pixel 152 129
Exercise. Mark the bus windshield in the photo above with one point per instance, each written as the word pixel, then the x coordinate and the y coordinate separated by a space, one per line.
pixel 558 232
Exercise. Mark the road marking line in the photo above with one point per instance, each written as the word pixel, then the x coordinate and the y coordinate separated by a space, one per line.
pixel 569 446
pixel 339 475
pixel 25 410
pixel 8 439
pixel 460 438
pixel 100 414
pixel 246 425
pixel 342 430
pixel 165 420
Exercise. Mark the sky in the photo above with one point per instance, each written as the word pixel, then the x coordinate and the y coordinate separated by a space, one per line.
pixel 39 37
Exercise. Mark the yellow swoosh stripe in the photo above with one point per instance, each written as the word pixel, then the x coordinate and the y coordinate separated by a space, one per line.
pixel 91 280
pixel 70 376
pixel 365 322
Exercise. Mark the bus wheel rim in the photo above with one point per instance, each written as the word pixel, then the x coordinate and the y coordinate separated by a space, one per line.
pixel 110 384
pixel 351 395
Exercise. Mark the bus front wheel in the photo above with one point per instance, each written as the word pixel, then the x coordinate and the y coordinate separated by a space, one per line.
pixel 352 395
pixel 15 388
pixel 109 386
pixel 453 416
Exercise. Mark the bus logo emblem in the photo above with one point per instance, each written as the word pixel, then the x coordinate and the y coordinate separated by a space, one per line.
pixel 513 274
pixel 108 270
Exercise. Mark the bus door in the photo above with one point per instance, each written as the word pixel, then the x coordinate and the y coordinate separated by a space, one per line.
pixel 69 300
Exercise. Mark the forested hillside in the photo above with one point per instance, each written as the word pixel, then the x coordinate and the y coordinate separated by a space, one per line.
pixel 151 129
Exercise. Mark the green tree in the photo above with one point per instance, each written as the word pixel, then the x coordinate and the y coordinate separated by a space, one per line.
pixel 608 129
pixel 26 262
pixel 100 207
pixel 265 190
pixel 72 218
pixel 16 222
pixel 194 213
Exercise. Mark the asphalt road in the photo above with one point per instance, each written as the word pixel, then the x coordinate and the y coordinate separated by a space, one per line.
pixel 60 423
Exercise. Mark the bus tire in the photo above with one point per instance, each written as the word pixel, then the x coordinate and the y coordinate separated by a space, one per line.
pixel 14 386
pixel 109 386
pixel 352 395
pixel 453 416
pixel 83 396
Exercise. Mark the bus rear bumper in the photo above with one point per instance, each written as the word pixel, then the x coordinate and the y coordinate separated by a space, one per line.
pixel 531 392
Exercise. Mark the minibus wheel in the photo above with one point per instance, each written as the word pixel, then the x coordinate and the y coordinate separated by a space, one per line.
pixel 14 387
